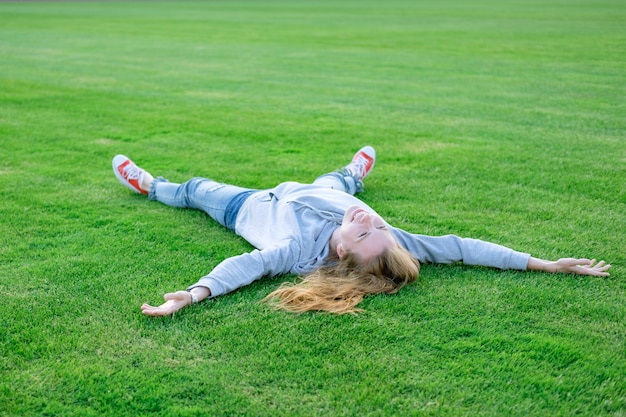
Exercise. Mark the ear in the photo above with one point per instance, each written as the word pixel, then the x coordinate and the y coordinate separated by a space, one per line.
pixel 340 251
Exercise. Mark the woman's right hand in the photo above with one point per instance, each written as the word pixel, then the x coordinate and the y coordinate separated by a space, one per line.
pixel 173 302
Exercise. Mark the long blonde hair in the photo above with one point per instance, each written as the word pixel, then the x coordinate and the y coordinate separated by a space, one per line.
pixel 338 288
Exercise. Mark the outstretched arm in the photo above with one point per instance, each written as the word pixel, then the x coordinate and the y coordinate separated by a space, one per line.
pixel 451 248
pixel 230 274
pixel 570 265
pixel 176 301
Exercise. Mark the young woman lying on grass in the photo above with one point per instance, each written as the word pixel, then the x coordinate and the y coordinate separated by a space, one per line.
pixel 343 249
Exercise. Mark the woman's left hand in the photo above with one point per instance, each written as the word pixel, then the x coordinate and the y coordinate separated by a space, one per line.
pixel 583 267
pixel 580 266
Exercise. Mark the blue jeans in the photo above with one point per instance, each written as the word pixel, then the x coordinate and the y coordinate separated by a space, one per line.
pixel 222 201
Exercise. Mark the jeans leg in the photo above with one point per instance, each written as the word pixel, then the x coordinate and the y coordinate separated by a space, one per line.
pixel 340 180
pixel 212 197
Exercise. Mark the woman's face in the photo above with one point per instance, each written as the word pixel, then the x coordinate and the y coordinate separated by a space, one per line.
pixel 364 234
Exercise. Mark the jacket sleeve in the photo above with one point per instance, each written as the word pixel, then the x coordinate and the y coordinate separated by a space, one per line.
pixel 241 270
pixel 450 249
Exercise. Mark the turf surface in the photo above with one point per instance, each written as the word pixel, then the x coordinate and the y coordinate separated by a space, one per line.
pixel 499 120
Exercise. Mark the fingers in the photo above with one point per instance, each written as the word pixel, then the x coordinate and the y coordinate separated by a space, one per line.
pixel 584 266
pixel 162 310
pixel 173 302
pixel 596 269
pixel 599 265
pixel 149 310
pixel 601 268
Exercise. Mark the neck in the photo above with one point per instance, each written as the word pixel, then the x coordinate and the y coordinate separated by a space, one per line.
pixel 333 242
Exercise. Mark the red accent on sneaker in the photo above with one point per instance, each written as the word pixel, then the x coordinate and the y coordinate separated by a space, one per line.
pixel 364 161
pixel 129 174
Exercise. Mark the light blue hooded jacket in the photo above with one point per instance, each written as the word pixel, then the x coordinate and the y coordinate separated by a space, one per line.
pixel 291 225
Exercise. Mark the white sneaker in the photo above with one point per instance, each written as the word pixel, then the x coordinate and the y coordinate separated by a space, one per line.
pixel 362 162
pixel 128 173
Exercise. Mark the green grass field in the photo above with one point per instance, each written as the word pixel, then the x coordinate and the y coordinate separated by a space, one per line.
pixel 499 120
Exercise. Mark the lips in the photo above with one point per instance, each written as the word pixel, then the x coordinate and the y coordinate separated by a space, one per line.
pixel 355 212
